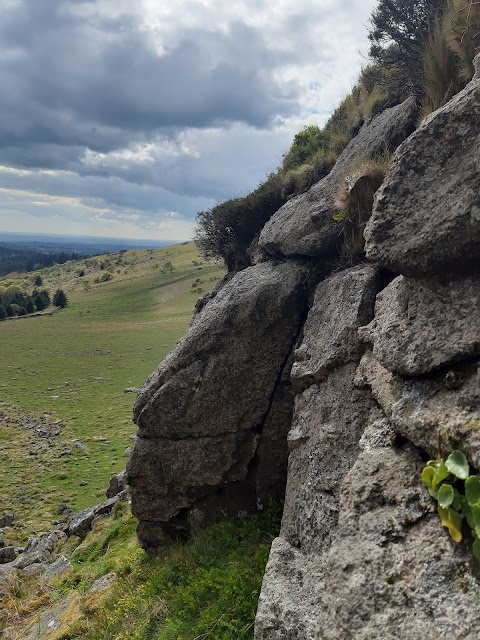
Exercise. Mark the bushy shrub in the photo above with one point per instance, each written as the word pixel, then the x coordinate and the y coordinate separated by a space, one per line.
pixel 227 230
pixel 441 71
pixel 106 275
pixel 60 299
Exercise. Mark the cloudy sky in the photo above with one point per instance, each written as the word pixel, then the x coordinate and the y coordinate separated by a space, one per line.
pixel 125 117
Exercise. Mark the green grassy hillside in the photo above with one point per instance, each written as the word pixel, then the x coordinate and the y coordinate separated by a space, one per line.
pixel 65 374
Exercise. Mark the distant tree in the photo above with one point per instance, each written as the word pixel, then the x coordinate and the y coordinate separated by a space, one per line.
pixel 168 266
pixel 15 309
pixel 41 299
pixel 3 312
pixel 399 32
pixel 60 299
pixel 38 281
pixel 29 306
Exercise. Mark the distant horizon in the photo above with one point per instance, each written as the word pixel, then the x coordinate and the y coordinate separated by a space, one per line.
pixel 31 235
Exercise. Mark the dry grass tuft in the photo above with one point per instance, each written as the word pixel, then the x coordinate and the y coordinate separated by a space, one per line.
pixel 355 197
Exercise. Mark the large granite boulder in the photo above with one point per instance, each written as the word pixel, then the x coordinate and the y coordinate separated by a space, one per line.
pixel 329 418
pixel 426 216
pixel 423 324
pixel 438 413
pixel 305 224
pixel 342 304
pixel 203 414
pixel 393 572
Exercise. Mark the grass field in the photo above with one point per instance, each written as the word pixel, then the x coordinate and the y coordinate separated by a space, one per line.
pixel 67 372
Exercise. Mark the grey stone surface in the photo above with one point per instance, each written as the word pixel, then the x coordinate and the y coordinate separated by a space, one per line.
pixel 290 596
pixel 7 554
pixel 117 484
pixel 167 476
pixel 426 216
pixel 342 303
pixel 239 340
pixel 6 519
pixel 304 225
pixel 272 453
pixel 393 572
pixel 57 569
pixel 438 413
pixel 422 324
pixel 79 524
pixel 34 569
pixel 27 558
pixel 219 398
pixel 328 422
pixel 50 621
pixel 103 583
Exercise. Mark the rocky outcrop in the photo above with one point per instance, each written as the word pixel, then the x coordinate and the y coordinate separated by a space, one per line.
pixel 218 398
pixel 427 213
pixel 392 572
pixel 342 304
pixel 362 553
pixel 305 225
pixel 366 379
pixel 330 417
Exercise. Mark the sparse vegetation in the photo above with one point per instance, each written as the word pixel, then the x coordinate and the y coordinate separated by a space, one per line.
pixel 205 588
pixel 457 494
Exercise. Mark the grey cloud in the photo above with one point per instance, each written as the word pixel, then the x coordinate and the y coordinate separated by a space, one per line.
pixel 74 82
pixel 75 76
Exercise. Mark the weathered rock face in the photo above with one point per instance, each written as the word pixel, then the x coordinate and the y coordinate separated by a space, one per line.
pixel 427 213
pixel 329 419
pixel 203 413
pixel 305 224
pixel 362 553
pixel 392 572
pixel 423 324
pixel 381 373
pixel 441 410
pixel 342 304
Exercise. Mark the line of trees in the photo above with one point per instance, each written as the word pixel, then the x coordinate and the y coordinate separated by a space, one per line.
pixel 14 301
pixel 20 260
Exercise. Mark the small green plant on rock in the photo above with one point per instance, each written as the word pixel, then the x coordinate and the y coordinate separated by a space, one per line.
pixel 457 494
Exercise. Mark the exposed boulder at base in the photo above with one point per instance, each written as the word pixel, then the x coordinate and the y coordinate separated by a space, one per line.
pixel 305 225
pixel 202 415
pixel 426 216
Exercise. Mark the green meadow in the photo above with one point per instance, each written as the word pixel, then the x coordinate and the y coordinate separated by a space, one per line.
pixel 68 371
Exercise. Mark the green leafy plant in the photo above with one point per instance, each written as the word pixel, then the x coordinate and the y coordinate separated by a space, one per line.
pixel 457 494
